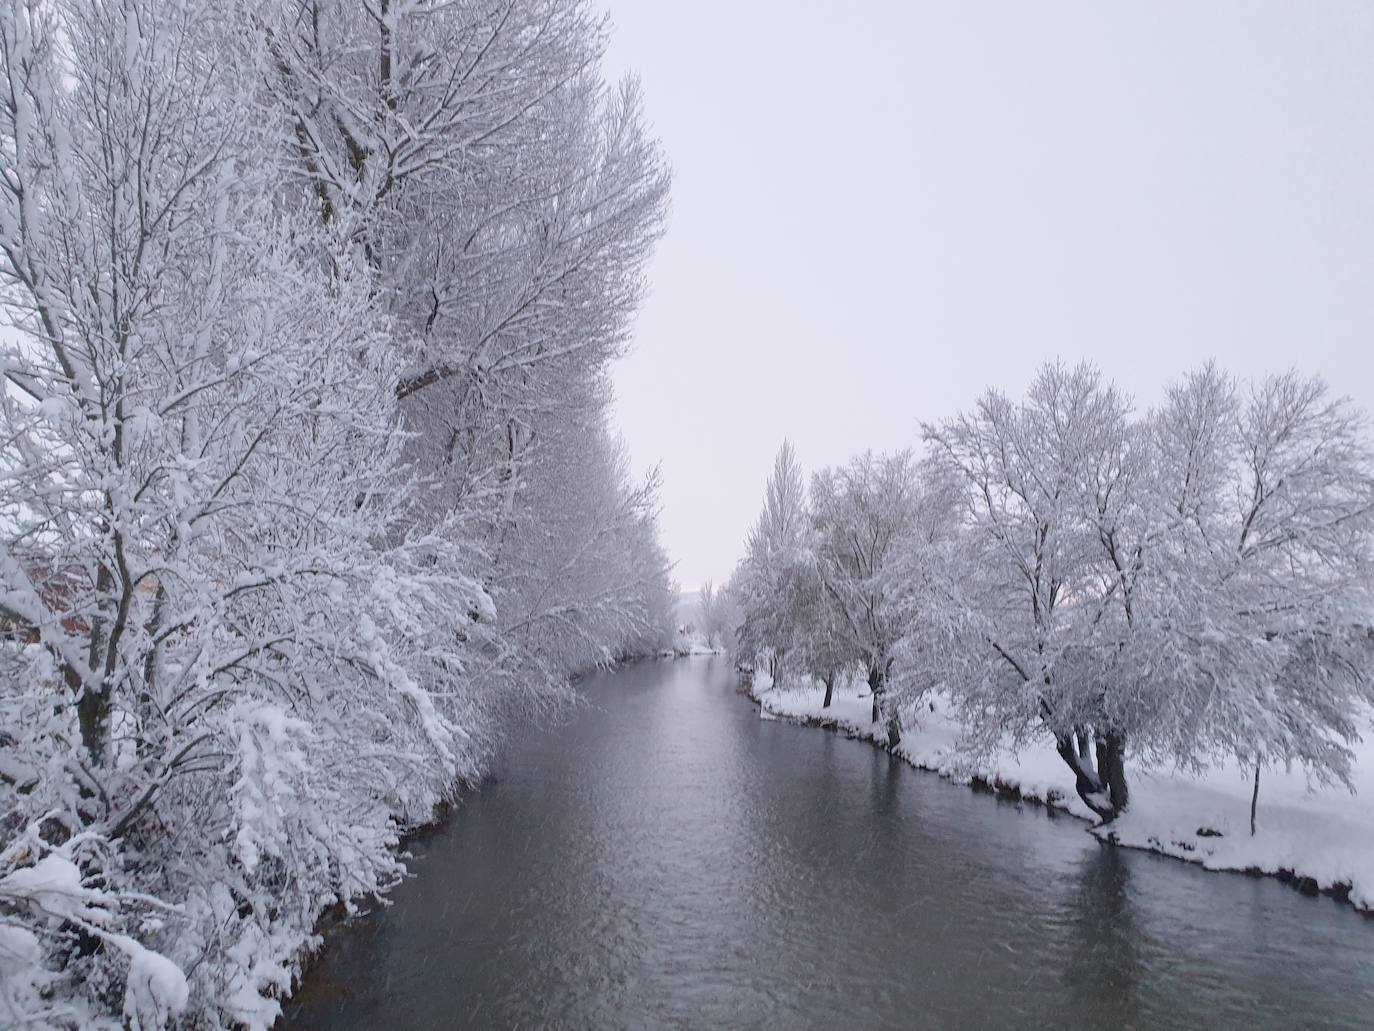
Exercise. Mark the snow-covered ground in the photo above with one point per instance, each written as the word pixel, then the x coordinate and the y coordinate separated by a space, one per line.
pixel 1325 835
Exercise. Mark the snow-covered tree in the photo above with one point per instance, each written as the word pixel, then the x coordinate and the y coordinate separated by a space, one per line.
pixel 1265 508
pixel 1045 485
pixel 506 196
pixel 506 199
pixel 579 579
pixel 246 584
pixel 861 514
pixel 713 614
pixel 776 572
pixel 824 650
pixel 1187 583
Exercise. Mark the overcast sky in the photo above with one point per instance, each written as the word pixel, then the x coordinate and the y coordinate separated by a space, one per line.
pixel 881 208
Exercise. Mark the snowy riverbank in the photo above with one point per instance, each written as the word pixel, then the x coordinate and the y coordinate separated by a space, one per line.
pixel 1323 839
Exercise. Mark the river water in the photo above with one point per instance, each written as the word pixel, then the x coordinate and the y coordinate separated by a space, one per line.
pixel 670 860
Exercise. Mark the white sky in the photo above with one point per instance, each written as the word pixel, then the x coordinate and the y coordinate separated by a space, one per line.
pixel 881 208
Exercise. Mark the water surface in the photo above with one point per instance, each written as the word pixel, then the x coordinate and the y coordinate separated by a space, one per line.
pixel 670 860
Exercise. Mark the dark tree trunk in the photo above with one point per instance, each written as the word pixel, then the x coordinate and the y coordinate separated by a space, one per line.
pixel 829 691
pixel 93 706
pixel 93 716
pixel 1104 789
pixel 877 683
pixel 1111 768
pixel 1254 800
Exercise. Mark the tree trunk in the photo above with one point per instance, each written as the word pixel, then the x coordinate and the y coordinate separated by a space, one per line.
pixel 1084 740
pixel 93 717
pixel 1254 800
pixel 93 707
pixel 877 683
pixel 1104 789
pixel 1111 769
pixel 829 691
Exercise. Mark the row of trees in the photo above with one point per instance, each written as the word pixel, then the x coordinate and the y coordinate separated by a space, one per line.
pixel 307 492
pixel 1179 586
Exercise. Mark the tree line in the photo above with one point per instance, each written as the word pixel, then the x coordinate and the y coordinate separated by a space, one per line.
pixel 309 493
pixel 1179 586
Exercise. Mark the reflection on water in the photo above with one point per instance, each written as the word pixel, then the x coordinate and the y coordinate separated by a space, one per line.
pixel 671 860
pixel 1102 973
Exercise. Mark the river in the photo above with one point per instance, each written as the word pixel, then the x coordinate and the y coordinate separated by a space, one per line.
pixel 670 860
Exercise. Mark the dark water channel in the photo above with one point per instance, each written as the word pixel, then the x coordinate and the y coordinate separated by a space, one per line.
pixel 669 860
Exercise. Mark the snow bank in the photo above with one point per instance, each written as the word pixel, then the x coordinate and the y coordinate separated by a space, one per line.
pixel 1320 839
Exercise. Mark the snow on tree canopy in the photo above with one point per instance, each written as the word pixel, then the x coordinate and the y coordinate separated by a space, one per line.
pixel 311 494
